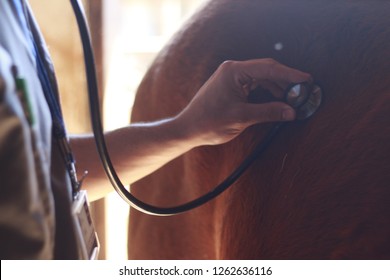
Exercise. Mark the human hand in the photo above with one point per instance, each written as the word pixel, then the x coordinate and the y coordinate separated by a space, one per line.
pixel 220 110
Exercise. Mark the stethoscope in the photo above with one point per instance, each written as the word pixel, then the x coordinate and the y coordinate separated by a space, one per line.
pixel 304 97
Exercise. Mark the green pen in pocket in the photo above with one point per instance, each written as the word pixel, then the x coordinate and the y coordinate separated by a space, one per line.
pixel 21 87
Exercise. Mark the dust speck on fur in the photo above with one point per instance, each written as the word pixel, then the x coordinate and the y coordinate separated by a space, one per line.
pixel 278 46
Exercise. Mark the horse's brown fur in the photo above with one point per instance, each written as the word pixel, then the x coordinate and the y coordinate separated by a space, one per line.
pixel 322 189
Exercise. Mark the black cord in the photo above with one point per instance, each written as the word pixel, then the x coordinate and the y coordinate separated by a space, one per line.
pixel 102 149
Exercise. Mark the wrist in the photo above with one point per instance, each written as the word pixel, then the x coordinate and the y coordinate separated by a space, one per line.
pixel 187 132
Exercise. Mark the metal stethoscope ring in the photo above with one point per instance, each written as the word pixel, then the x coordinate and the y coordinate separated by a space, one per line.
pixel 305 97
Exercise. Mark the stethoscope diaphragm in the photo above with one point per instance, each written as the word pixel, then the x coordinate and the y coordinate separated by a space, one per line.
pixel 305 98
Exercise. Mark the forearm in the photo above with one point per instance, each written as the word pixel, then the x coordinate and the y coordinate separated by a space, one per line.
pixel 135 151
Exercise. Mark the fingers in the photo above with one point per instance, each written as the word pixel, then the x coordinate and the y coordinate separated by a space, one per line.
pixel 271 75
pixel 245 72
pixel 222 103
pixel 267 112
pixel 277 90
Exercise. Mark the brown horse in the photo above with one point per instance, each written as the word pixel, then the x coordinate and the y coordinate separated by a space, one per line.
pixel 322 188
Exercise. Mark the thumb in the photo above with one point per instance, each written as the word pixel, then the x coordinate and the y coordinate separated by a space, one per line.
pixel 268 112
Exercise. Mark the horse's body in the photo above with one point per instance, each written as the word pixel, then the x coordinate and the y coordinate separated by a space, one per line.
pixel 322 188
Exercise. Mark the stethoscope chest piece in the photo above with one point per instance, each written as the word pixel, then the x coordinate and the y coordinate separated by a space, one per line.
pixel 305 98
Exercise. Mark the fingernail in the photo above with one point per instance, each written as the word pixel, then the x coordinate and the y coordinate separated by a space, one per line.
pixel 288 114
